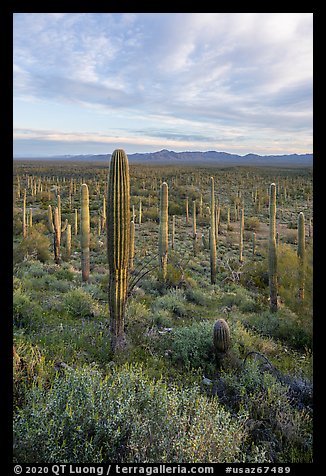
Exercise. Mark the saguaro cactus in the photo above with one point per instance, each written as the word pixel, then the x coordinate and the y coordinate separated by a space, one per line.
pixel 221 336
pixel 57 235
pixel 212 237
pixel 194 219
pixel 132 245
pixel 118 243
pixel 68 241
pixel 254 243
pixel 164 229
pixel 272 249
pixel 301 254
pixel 24 216
pixel 187 211
pixel 241 235
pixel 84 232
pixel 173 232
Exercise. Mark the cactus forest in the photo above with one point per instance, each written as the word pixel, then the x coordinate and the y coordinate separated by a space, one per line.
pixel 162 313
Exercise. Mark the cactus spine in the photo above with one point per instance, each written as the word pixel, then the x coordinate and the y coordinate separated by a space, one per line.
pixel 272 249
pixel 301 254
pixel 118 243
pixel 164 229
pixel 84 232
pixel 212 237
pixel 221 336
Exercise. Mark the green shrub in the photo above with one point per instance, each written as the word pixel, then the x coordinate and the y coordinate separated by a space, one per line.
pixel 125 417
pixel 283 429
pixel 252 224
pixel 174 301
pixel 78 303
pixel 25 311
pixel 193 346
pixel 35 244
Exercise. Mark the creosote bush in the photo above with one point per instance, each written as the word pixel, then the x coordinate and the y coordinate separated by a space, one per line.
pixel 78 303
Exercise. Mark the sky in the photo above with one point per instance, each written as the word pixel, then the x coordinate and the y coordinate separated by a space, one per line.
pixel 88 83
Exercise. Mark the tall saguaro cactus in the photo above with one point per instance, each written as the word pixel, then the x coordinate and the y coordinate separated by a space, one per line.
pixel 118 243
pixel 301 254
pixel 132 245
pixel 24 215
pixel 164 229
pixel 212 237
pixel 241 230
pixel 272 249
pixel 84 232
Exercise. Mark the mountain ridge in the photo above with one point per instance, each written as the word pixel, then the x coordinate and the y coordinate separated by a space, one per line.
pixel 210 157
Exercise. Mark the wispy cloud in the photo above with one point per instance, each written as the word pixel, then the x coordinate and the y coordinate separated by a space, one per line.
pixel 248 72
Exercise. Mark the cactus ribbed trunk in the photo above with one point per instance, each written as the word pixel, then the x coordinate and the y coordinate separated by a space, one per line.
pixel 212 237
pixel 272 249
pixel 301 254
pixel 84 232
pixel 118 243
pixel 30 218
pixel 164 229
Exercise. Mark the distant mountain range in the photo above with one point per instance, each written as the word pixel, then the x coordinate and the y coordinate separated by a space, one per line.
pixel 210 157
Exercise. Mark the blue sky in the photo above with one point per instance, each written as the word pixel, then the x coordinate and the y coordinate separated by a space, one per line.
pixel 87 83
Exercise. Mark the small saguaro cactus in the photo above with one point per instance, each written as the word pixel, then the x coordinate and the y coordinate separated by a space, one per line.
pixel 118 244
pixel 272 249
pixel 187 211
pixel 212 236
pixel 301 254
pixel 68 240
pixel 132 245
pixel 84 232
pixel 164 229
pixel 140 212
pixel 194 219
pixel 24 215
pixel 76 222
pixel 254 243
pixel 241 230
pixel 173 233
pixel 103 214
pixel 221 336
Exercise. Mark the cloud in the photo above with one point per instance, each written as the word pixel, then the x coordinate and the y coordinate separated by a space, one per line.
pixel 242 71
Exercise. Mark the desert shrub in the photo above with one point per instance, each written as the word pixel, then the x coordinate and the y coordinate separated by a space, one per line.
pixel 284 325
pixel 252 224
pixel 193 346
pixel 78 303
pixel 174 301
pixel 124 417
pixel 29 369
pixel 25 311
pixel 284 429
pixel 138 321
pixel 241 298
pixel 35 244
